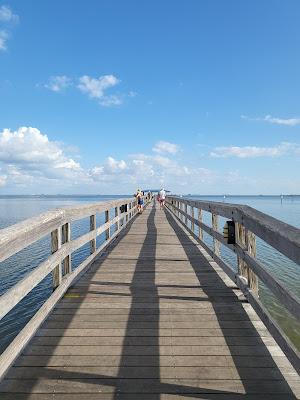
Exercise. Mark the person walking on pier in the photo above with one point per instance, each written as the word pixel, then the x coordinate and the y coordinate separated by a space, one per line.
pixel 162 198
pixel 140 201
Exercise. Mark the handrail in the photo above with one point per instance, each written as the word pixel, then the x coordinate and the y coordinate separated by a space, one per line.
pixel 248 223
pixel 58 224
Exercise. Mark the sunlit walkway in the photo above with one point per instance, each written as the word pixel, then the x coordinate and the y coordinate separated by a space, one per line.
pixel 153 318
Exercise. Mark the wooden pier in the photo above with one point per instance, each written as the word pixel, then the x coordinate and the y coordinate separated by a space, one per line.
pixel 150 315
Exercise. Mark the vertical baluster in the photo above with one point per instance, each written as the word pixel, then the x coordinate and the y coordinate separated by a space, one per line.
pixel 117 215
pixel 251 246
pixel 192 223
pixel 247 241
pixel 186 210
pixel 66 237
pixel 215 224
pixel 55 246
pixel 200 233
pixel 107 232
pixel 92 228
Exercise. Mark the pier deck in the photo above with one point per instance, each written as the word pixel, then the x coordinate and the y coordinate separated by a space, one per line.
pixel 153 318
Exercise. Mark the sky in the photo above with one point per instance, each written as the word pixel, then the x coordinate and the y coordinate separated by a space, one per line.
pixel 104 97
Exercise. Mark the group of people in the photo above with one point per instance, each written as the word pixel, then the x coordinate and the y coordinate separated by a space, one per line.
pixel 161 198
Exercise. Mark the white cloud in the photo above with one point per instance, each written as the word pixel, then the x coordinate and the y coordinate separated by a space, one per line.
pixel 112 100
pixel 3 40
pixel 165 147
pixel 58 83
pixel 96 88
pixel 282 121
pixel 275 120
pixel 27 155
pixel 32 163
pixel 283 148
pixel 6 15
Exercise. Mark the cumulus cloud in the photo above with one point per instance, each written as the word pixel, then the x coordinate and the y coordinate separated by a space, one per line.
pixel 7 18
pixel 27 155
pixel 165 147
pixel 96 88
pixel 275 120
pixel 3 40
pixel 58 83
pixel 30 160
pixel 283 148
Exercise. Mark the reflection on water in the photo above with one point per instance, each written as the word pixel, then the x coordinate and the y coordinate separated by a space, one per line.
pixel 15 209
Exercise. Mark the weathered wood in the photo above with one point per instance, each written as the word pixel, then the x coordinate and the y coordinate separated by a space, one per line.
pixel 117 216
pixel 66 238
pixel 107 233
pixel 55 246
pixel 192 222
pixel 159 331
pixel 17 345
pixel 291 301
pixel 283 237
pixel 200 234
pixel 251 248
pixel 22 234
pixel 92 228
pixel 215 226
pixel 287 298
pixel 247 242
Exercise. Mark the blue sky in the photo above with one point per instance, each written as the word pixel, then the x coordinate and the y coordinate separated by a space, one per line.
pixel 106 96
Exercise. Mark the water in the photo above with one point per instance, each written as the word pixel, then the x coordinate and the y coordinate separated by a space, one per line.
pixel 14 209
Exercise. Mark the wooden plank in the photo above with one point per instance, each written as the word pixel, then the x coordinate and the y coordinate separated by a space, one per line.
pixel 215 226
pixel 92 228
pixel 17 345
pixel 18 236
pixel 55 246
pixel 142 323
pixel 283 237
pixel 66 238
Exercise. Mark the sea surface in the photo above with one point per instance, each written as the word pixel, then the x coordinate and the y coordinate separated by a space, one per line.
pixel 17 208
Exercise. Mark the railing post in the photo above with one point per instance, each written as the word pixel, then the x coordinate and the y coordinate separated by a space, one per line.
pixel 251 246
pixel 247 241
pixel 192 223
pixel 215 224
pixel 185 218
pixel 92 228
pixel 107 232
pixel 117 215
pixel 66 237
pixel 55 246
pixel 200 233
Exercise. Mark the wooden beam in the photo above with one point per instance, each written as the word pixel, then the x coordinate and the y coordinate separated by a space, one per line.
pixel 92 228
pixel 200 232
pixel 55 246
pixel 66 238
pixel 215 226
pixel 107 233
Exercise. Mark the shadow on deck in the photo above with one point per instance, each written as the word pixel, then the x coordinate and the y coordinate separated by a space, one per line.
pixel 163 347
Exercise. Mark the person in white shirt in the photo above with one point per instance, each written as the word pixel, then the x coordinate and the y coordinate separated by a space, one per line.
pixel 162 198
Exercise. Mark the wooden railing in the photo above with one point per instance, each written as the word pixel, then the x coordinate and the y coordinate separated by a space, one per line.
pixel 56 223
pixel 249 223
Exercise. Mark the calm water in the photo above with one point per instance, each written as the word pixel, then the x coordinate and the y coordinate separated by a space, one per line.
pixel 15 209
